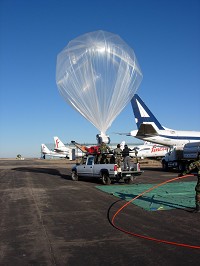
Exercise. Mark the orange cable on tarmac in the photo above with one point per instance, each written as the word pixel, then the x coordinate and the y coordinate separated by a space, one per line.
pixel 143 236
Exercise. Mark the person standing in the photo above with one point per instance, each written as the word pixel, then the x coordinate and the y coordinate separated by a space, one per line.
pixel 104 150
pixel 118 155
pixel 191 167
pixel 126 157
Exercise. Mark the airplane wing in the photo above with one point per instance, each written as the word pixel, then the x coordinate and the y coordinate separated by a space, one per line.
pixel 123 134
pixel 58 150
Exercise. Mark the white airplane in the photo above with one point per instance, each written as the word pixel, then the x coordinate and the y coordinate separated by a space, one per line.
pixel 149 128
pixel 45 151
pixel 147 150
pixel 60 147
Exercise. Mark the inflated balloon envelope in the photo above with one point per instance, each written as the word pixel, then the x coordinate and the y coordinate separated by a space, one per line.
pixel 98 74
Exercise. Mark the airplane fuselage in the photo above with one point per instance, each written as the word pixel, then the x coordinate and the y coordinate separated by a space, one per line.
pixel 169 137
pixel 150 151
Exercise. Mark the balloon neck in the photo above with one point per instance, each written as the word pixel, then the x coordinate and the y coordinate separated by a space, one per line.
pixel 102 138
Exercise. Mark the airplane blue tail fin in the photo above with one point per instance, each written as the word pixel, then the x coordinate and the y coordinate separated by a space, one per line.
pixel 142 113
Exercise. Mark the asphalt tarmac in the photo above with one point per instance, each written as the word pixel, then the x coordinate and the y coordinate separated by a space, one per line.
pixel 48 219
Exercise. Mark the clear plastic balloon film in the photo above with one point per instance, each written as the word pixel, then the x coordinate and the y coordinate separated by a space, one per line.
pixel 98 74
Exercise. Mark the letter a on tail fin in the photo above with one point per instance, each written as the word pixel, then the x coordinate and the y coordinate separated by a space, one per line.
pixel 143 115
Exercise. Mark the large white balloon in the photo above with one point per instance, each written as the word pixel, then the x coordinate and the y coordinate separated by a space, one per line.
pixel 98 74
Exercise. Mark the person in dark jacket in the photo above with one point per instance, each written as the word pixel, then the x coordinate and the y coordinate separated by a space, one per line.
pixel 126 157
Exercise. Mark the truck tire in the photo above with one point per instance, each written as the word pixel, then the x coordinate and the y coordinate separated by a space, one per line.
pixel 164 166
pixel 74 176
pixel 129 181
pixel 181 167
pixel 106 179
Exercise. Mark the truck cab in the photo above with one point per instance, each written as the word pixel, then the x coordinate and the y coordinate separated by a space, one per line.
pixel 87 166
pixel 180 157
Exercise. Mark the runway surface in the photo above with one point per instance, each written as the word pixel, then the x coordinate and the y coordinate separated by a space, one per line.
pixel 48 219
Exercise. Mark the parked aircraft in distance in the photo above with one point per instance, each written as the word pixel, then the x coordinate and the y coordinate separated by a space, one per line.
pixel 149 150
pixel 60 146
pixel 150 129
pixel 45 151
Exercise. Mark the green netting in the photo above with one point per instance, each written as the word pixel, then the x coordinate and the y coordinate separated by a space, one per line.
pixel 179 195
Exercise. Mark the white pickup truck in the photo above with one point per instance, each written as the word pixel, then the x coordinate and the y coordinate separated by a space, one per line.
pixel 105 172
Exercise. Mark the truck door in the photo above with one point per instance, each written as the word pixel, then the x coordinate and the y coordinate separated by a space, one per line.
pixel 87 169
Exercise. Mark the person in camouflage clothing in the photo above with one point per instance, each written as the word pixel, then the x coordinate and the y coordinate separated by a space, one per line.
pixel 104 150
pixel 118 155
pixel 191 167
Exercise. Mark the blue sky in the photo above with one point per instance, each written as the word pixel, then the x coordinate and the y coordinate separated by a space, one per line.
pixel 164 34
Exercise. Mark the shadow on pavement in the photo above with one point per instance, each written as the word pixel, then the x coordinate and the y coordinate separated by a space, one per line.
pixel 49 171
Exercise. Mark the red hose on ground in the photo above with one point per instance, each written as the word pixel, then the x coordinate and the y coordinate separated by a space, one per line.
pixel 146 237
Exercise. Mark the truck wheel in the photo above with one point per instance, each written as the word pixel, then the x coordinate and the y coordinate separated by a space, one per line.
pixel 164 166
pixel 128 181
pixel 74 176
pixel 181 167
pixel 106 179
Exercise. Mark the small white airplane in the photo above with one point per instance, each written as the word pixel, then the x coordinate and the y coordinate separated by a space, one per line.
pixel 149 128
pixel 45 151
